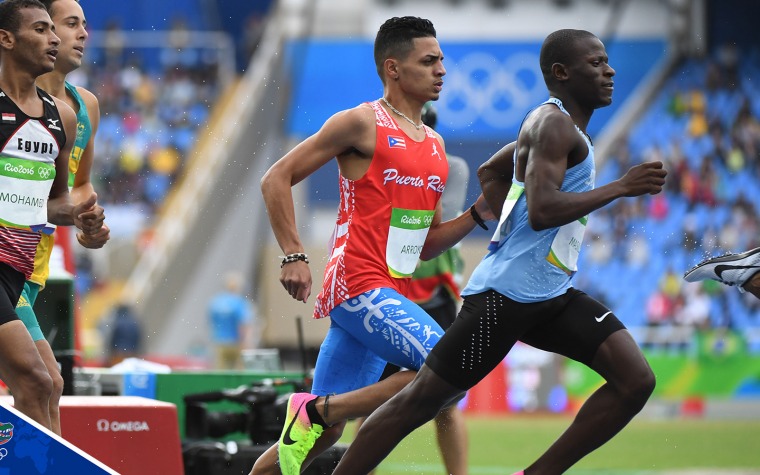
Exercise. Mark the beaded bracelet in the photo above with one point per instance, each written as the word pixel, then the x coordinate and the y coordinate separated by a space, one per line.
pixel 295 257
pixel 477 218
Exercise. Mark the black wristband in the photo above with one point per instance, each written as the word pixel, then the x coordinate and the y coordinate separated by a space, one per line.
pixel 477 218
pixel 295 257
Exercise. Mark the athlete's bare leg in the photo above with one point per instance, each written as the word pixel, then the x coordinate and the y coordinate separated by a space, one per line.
pixel 341 407
pixel 451 431
pixel 451 434
pixel 23 370
pixel 419 402
pixel 46 352
pixel 629 383
pixel 753 285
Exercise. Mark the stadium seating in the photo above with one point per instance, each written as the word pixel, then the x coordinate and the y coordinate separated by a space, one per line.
pixel 705 126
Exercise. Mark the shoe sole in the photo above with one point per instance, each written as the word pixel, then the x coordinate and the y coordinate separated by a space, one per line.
pixel 717 261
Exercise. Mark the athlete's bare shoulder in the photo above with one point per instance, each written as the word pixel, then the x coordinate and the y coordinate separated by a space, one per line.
pixel 90 99
pixel 359 117
pixel 92 104
pixel 67 113
pixel 547 122
pixel 352 128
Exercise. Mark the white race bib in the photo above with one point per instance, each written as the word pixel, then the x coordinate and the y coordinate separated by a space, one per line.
pixel 406 237
pixel 567 246
pixel 24 191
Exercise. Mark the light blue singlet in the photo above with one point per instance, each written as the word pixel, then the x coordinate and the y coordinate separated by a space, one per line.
pixel 527 265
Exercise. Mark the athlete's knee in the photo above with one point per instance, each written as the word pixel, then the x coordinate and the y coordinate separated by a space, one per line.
pixel 639 386
pixel 645 384
pixel 34 385
pixel 58 383
pixel 416 403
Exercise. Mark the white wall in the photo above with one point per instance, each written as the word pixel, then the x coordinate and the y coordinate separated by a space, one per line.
pixel 524 19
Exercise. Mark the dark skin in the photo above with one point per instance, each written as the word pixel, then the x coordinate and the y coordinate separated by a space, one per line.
pixel 495 176
pixel 753 285
pixel 550 142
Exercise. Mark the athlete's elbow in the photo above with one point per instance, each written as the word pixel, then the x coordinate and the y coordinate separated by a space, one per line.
pixel 429 252
pixel 539 221
pixel 484 172
pixel 426 255
pixel 269 182
pixel 265 181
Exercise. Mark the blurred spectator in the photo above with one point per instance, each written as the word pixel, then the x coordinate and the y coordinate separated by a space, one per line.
pixel 696 309
pixel 659 309
pixel 114 45
pixel 178 54
pixel 232 322
pixel 124 334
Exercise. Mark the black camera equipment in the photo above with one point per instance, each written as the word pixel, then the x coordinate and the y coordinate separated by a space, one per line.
pixel 264 405
pixel 262 418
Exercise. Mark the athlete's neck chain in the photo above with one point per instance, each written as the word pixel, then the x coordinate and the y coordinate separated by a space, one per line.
pixel 402 115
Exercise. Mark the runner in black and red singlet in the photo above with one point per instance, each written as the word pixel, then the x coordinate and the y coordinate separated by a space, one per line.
pixel 36 135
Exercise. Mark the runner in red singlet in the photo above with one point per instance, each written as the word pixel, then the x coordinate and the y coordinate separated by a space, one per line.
pixel 393 170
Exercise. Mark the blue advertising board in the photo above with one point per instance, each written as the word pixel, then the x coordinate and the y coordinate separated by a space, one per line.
pixel 26 448
pixel 488 88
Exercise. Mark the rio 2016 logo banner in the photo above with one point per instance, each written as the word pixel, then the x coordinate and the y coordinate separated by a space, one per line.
pixel 28 448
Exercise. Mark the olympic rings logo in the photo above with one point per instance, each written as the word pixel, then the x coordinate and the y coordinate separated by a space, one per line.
pixel 499 92
pixel 44 172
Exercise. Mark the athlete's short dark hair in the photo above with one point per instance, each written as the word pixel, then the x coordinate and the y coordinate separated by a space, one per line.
pixel 10 13
pixel 559 47
pixel 395 38
pixel 49 5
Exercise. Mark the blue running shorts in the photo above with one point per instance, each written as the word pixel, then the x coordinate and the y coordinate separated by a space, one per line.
pixel 366 332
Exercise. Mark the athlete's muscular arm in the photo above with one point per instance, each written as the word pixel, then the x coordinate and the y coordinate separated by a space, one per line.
pixel 350 132
pixel 443 235
pixel 87 215
pixel 551 139
pixel 83 188
pixel 495 177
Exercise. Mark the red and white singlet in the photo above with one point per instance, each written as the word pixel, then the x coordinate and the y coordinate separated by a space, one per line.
pixel 384 216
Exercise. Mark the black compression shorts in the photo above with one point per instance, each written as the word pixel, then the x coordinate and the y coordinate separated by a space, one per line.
pixel 489 324
pixel 11 285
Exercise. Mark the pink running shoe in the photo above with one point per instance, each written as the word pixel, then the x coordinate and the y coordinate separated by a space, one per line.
pixel 298 436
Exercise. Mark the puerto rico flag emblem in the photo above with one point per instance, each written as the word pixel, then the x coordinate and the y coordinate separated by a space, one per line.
pixel 9 118
pixel 393 142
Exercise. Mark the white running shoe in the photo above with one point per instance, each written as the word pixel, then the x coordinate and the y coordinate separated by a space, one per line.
pixel 731 269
